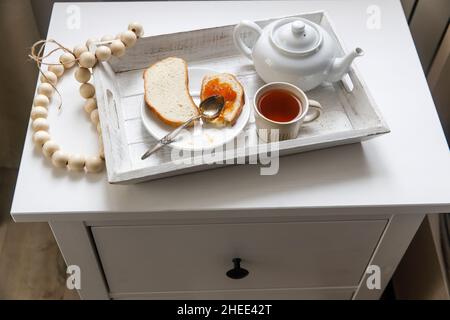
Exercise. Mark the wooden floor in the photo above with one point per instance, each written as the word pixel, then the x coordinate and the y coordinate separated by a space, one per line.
pixel 31 266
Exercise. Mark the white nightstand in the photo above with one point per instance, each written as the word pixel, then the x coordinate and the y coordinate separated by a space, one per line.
pixel 309 232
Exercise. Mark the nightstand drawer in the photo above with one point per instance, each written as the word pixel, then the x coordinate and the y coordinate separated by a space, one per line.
pixel 167 258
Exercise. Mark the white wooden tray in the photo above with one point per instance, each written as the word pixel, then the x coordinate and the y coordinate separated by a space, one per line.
pixel 350 114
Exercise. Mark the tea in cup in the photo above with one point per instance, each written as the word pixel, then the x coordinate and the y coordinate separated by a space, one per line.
pixel 280 109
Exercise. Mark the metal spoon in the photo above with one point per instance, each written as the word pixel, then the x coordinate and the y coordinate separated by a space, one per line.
pixel 210 108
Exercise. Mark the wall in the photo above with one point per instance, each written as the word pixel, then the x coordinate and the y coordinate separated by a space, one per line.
pixel 17 76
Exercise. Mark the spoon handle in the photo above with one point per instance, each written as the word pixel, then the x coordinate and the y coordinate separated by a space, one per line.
pixel 168 138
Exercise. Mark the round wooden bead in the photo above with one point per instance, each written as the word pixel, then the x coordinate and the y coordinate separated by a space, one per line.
pixel 87 90
pixel 103 53
pixel 90 105
pixel 49 77
pixel 41 101
pixel 46 89
pixel 40 124
pixel 57 69
pixel 137 28
pixel 101 149
pixel 76 162
pixel 40 137
pixel 87 60
pixel 117 48
pixel 94 164
pixel 128 38
pixel 82 75
pixel 49 148
pixel 94 116
pixel 60 159
pixel 79 49
pixel 107 37
pixel 38 112
pixel 91 41
pixel 67 60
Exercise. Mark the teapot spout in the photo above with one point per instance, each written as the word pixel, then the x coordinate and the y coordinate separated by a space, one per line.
pixel 341 66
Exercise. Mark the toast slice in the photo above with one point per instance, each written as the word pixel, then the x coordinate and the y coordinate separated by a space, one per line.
pixel 228 86
pixel 166 85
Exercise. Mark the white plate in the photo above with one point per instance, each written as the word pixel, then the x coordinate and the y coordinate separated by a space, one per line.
pixel 202 136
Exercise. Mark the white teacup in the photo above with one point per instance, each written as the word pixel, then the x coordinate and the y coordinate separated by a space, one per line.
pixel 270 130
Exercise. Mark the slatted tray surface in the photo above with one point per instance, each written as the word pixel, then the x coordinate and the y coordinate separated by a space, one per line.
pixel 349 115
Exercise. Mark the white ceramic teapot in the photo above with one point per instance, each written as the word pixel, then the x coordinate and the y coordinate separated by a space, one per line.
pixel 294 50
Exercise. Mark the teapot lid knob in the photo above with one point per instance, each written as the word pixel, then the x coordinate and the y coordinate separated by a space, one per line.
pixel 296 35
pixel 298 27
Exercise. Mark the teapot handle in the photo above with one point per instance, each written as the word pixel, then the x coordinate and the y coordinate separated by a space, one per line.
pixel 245 25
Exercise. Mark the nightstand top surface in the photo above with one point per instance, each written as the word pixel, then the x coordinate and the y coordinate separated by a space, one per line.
pixel 407 170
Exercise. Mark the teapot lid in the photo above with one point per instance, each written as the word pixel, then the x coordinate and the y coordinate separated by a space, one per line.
pixel 296 36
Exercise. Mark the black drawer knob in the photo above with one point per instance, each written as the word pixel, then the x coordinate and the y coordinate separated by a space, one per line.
pixel 237 272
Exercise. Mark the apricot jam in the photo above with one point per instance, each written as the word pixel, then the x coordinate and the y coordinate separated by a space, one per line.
pixel 215 87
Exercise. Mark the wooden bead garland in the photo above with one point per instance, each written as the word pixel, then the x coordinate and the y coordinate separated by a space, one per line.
pixel 137 28
pixel 49 77
pixel 107 37
pixel 94 164
pixel 86 60
pixel 41 101
pixel 46 89
pixel 101 149
pixel 40 124
pixel 128 38
pixel 38 112
pixel 82 75
pixel 57 69
pixel 76 162
pixel 103 53
pixel 94 117
pixel 117 48
pixel 60 159
pixel 49 148
pixel 78 50
pixel 91 41
pixel 41 137
pixel 90 105
pixel 67 59
pixel 87 90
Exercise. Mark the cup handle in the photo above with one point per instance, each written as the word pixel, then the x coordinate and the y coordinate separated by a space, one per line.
pixel 245 25
pixel 314 112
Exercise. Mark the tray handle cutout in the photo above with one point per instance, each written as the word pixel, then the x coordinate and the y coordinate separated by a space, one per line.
pixel 347 83
pixel 112 106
